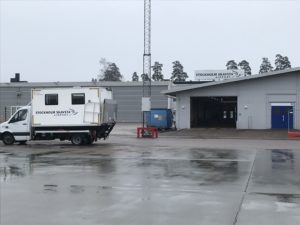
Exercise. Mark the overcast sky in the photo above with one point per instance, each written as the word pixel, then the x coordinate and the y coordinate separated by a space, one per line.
pixel 64 40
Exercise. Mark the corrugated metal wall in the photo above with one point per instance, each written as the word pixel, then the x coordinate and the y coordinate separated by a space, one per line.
pixel 12 96
pixel 128 99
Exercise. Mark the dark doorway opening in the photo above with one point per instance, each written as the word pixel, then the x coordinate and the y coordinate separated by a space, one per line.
pixel 213 111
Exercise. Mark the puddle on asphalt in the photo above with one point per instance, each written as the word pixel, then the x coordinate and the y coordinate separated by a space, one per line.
pixel 289 198
pixel 281 197
pixel 207 167
pixel 33 156
pixel 12 166
pixel 76 189
pixel 277 160
pixel 276 171
pixel 50 188
pixel 73 189
pixel 18 166
pixel 200 153
pixel 202 172
pixel 282 158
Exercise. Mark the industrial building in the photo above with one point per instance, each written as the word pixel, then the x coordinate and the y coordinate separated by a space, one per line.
pixel 265 101
pixel 127 94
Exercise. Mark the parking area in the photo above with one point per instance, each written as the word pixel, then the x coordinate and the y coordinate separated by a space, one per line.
pixel 174 179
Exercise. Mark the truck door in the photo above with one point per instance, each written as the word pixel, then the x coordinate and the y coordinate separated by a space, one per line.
pixel 19 125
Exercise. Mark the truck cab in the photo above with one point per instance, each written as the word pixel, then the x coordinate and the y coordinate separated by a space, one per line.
pixel 17 128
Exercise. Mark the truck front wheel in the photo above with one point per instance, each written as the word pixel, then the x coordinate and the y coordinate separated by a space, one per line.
pixel 77 139
pixel 8 138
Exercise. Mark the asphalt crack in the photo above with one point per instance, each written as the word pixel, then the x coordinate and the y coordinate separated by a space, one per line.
pixel 245 191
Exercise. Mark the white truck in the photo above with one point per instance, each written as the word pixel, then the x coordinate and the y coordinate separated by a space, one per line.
pixel 81 115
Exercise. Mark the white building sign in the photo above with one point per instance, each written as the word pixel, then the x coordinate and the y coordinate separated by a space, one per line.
pixel 217 75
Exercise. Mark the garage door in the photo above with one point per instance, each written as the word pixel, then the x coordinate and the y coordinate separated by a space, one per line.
pixel 213 111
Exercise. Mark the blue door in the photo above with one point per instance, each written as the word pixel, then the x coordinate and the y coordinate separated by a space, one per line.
pixel 282 117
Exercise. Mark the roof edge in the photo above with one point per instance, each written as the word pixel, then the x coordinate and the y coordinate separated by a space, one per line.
pixel 173 92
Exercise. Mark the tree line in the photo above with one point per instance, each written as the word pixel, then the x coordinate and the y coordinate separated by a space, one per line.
pixel 281 63
pixel 110 71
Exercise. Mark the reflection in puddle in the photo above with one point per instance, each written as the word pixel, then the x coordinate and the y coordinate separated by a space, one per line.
pixel 50 188
pixel 76 189
pixel 207 167
pixel 276 170
pixel 199 153
pixel 282 158
pixel 11 166
pixel 204 172
pixel 281 197
pixel 280 155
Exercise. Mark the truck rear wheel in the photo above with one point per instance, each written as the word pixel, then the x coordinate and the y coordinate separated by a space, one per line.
pixel 8 138
pixel 77 139
pixel 88 140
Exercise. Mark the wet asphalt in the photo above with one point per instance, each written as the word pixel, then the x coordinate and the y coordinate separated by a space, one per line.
pixel 170 180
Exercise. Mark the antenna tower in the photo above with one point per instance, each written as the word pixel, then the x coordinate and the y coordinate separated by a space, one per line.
pixel 147 49
pixel 146 100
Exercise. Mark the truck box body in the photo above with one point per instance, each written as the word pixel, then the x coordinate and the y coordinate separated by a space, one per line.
pixel 68 107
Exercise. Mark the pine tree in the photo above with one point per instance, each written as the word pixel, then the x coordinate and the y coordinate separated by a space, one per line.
pixel 135 77
pixel 157 74
pixel 287 63
pixel 244 65
pixel 265 66
pixel 112 73
pixel 178 74
pixel 103 67
pixel 145 77
pixel 282 63
pixel 231 65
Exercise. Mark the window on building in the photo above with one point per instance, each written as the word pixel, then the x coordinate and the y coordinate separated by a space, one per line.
pixel 225 115
pixel 231 114
pixel 78 99
pixel 51 99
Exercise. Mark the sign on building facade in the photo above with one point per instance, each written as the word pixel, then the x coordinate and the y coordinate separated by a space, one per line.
pixel 217 75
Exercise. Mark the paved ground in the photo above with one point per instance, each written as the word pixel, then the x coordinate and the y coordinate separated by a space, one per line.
pixel 174 179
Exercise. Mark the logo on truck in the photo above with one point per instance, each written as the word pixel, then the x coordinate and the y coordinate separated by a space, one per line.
pixel 69 112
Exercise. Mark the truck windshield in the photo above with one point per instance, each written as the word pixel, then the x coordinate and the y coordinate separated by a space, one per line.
pixel 19 116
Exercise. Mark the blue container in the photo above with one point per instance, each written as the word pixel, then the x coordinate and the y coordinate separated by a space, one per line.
pixel 160 118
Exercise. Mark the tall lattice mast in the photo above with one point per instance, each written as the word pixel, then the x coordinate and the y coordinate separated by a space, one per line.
pixel 146 100
pixel 147 49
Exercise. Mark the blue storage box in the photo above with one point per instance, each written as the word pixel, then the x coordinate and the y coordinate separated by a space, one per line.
pixel 160 118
